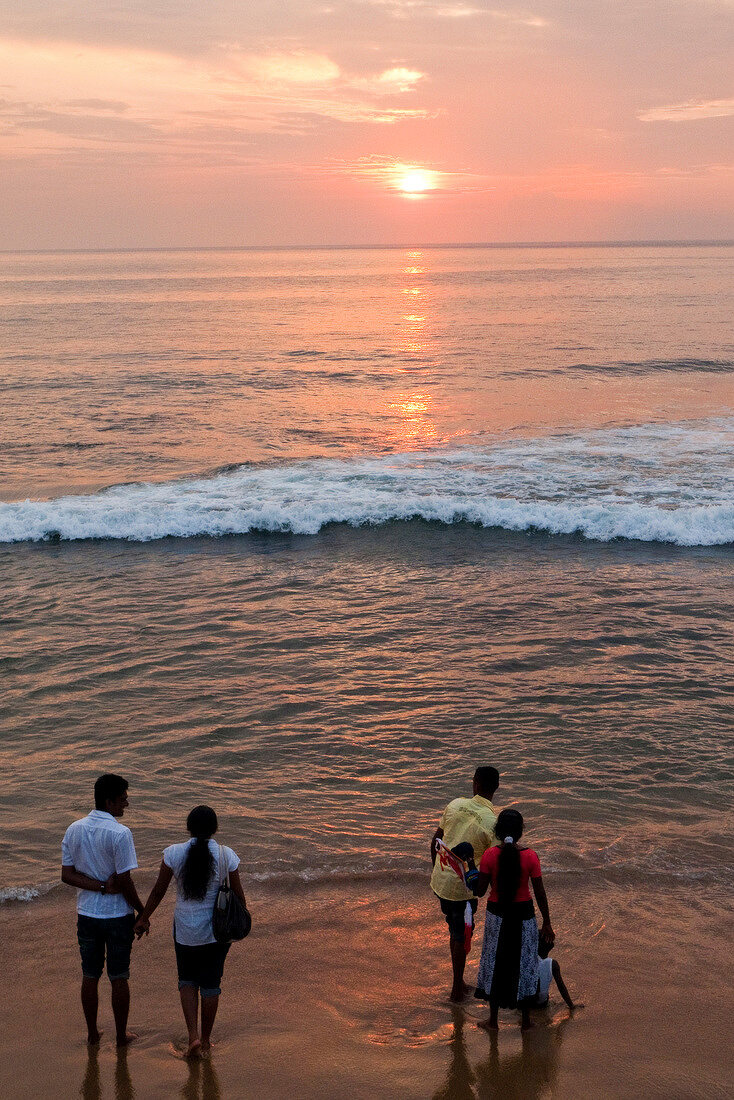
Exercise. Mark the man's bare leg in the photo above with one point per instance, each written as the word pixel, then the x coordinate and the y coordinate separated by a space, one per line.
pixel 121 1010
pixel 90 1006
pixel 458 961
pixel 190 1004
pixel 209 1006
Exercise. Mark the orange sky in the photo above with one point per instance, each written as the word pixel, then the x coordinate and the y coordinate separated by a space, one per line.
pixel 162 123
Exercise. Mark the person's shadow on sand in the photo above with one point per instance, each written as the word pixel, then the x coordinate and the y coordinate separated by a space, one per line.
pixel 528 1075
pixel 203 1083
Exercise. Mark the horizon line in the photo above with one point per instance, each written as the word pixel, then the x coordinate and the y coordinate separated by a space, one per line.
pixel 641 243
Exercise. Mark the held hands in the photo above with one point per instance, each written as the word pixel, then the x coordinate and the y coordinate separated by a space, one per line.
pixel 142 927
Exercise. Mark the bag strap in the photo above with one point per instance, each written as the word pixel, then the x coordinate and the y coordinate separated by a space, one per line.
pixel 223 881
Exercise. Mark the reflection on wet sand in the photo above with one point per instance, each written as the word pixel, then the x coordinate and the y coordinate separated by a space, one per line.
pixel 124 1089
pixel 91 1086
pixel 527 1074
pixel 460 1077
pixel 203 1083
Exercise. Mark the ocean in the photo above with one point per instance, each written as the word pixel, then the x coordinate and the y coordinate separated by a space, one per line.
pixel 309 535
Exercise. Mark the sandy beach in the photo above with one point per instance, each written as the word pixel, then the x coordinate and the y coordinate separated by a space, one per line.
pixel 336 996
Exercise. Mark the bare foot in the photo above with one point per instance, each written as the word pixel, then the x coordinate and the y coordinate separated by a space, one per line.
pixel 206 1046
pixel 128 1038
pixel 489 1024
pixel 94 1037
pixel 194 1049
pixel 526 1025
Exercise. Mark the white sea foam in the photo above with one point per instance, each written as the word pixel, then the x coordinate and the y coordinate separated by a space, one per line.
pixel 656 483
pixel 24 893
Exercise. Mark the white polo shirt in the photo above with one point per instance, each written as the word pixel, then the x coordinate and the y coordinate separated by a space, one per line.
pixel 99 846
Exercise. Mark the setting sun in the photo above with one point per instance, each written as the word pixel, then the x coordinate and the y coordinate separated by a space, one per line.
pixel 414 181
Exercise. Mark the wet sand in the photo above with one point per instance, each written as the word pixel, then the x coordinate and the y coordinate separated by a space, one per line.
pixel 336 996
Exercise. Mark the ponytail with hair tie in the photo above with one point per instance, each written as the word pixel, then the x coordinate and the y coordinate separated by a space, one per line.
pixel 199 866
pixel 509 830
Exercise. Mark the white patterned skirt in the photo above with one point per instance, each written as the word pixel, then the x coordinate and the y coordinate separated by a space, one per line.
pixel 508 968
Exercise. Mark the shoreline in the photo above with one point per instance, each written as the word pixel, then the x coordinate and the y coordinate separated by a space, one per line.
pixel 348 994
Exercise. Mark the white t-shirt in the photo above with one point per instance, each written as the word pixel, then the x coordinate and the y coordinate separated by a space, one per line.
pixel 545 973
pixel 192 918
pixel 99 845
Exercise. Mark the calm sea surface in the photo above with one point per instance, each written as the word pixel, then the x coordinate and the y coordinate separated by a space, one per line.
pixel 308 535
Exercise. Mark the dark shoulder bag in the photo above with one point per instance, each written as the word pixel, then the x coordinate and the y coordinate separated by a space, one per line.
pixel 231 918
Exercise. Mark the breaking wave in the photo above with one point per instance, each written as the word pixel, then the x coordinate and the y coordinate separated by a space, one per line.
pixel 655 483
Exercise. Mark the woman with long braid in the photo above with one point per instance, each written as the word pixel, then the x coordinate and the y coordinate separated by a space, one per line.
pixel 199 958
pixel 508 969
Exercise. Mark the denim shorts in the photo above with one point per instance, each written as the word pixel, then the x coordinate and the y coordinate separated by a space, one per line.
pixel 454 913
pixel 201 966
pixel 112 936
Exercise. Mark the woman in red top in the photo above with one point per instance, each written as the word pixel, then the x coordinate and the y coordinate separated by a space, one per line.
pixel 508 969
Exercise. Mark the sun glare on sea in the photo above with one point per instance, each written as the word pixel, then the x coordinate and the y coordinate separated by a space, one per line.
pixel 416 181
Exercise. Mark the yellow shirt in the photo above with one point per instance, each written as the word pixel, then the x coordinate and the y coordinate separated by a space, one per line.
pixel 472 820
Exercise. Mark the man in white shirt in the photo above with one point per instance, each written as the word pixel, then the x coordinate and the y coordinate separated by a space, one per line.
pixel 97 856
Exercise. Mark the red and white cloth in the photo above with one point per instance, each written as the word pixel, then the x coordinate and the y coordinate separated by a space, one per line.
pixel 459 867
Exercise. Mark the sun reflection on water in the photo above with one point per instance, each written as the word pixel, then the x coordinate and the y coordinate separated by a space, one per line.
pixel 416 425
pixel 413 327
pixel 411 413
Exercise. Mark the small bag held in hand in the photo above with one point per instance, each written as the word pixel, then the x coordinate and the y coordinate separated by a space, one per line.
pixel 231 918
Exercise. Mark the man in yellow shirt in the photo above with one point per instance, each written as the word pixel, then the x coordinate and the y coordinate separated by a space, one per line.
pixel 469 820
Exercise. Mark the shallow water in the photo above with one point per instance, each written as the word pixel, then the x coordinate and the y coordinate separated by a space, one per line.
pixel 329 694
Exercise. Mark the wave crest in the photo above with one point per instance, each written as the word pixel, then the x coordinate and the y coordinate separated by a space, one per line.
pixel 655 483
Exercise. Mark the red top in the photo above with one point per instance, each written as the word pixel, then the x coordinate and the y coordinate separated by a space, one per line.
pixel 529 868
